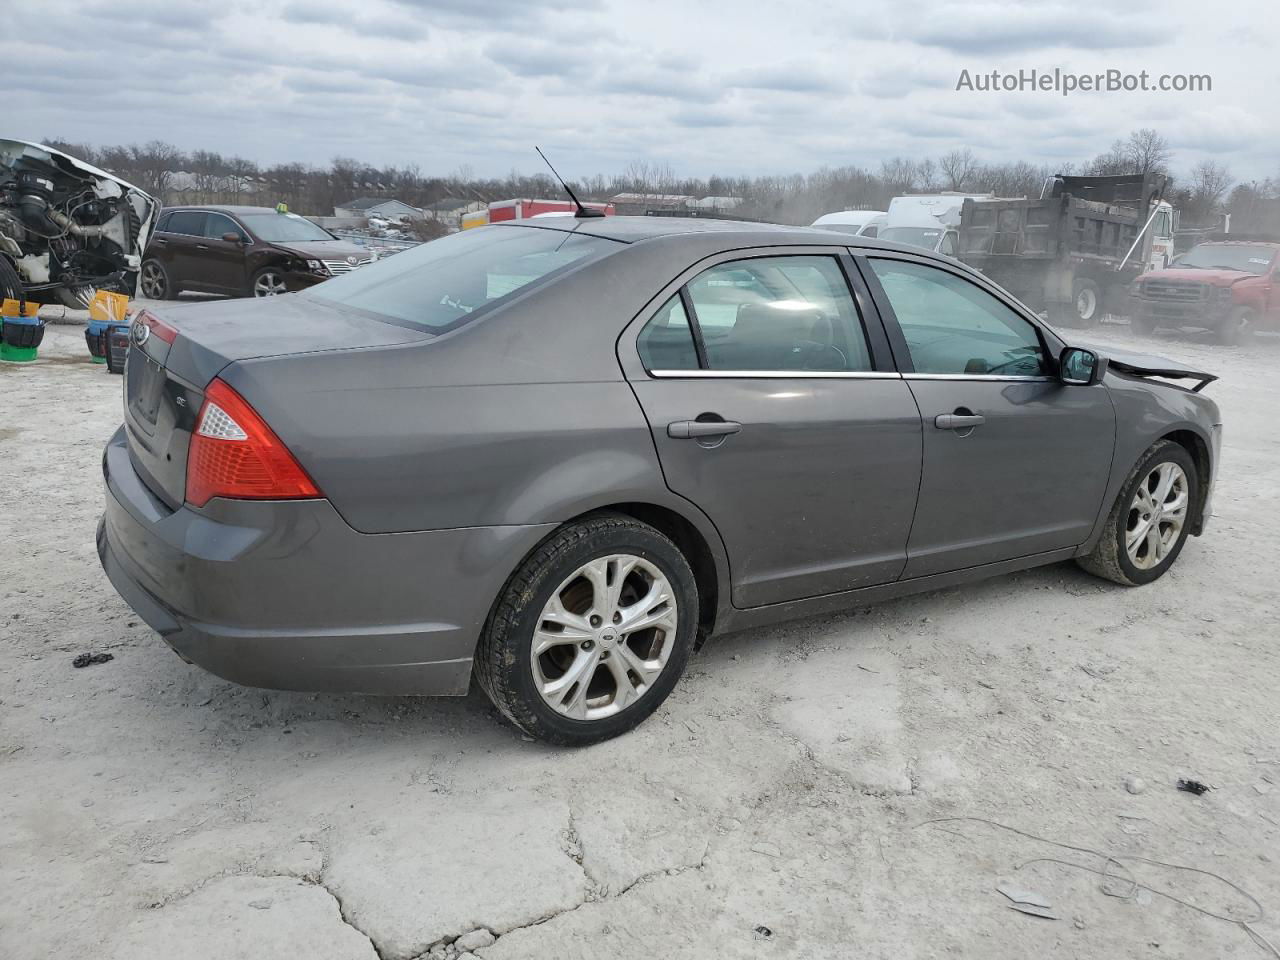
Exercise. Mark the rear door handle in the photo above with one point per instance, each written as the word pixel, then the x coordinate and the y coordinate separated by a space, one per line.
pixel 202 246
pixel 958 421
pixel 692 429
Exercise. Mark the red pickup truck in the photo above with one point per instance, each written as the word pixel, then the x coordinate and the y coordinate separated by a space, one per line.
pixel 1231 287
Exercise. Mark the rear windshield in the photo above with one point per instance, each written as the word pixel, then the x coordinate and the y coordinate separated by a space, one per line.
pixel 442 284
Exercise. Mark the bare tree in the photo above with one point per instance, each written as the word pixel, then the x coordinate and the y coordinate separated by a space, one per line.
pixel 1147 152
pixel 958 168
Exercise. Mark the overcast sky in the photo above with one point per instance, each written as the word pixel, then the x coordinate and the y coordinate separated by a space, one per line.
pixel 741 87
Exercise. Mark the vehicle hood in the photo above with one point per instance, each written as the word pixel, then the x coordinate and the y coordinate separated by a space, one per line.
pixel 214 334
pixel 145 206
pixel 1150 365
pixel 324 249
pixel 1215 278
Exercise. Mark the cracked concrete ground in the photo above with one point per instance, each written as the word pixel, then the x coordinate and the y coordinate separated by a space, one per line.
pixel 776 807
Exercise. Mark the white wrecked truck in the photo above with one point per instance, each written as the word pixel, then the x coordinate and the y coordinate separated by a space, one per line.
pixel 67 228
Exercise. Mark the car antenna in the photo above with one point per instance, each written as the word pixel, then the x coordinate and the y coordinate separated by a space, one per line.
pixel 583 213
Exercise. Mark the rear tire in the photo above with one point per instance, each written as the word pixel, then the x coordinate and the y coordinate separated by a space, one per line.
pixel 1086 301
pixel 551 602
pixel 1116 557
pixel 154 282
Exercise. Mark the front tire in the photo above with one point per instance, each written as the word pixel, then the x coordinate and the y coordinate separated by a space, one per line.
pixel 1151 519
pixel 1238 328
pixel 591 633
pixel 268 282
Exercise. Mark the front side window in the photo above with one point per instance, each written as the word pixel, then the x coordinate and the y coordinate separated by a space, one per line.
pixel 953 326
pixel 442 284
pixel 216 224
pixel 779 313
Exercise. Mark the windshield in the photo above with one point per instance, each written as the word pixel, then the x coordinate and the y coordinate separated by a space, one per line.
pixel 926 237
pixel 442 284
pixel 284 228
pixel 1229 256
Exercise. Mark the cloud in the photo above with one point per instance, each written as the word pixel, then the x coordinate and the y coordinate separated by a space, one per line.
pixel 784 78
pixel 997 28
pixel 707 88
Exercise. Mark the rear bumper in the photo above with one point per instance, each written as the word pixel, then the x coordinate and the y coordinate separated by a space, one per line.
pixel 286 595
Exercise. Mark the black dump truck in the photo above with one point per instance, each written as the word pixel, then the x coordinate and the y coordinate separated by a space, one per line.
pixel 1071 254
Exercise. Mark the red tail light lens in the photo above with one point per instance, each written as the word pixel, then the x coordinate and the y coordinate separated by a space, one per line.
pixel 158 327
pixel 234 454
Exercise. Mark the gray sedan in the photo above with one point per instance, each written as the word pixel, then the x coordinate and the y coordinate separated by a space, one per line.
pixel 560 453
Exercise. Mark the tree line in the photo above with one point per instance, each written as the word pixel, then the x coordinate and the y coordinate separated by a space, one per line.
pixel 1202 193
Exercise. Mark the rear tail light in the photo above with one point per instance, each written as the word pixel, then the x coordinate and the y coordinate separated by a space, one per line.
pixel 157 326
pixel 234 454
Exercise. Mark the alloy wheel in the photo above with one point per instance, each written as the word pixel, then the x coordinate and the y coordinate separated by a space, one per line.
pixel 1157 515
pixel 153 281
pixel 604 637
pixel 269 284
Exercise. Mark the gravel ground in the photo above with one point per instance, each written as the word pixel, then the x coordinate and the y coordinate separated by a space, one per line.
pixel 783 803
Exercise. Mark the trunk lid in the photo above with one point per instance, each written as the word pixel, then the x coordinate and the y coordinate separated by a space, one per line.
pixel 164 383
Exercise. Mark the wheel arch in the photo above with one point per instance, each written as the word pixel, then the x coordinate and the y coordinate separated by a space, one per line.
pixel 1198 447
pixel 697 539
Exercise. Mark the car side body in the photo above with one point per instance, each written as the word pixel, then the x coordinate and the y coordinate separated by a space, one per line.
pixel 222 249
pixel 444 460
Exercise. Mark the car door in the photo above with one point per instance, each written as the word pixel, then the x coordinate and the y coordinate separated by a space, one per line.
pixel 222 262
pixel 775 409
pixel 1015 462
pixel 185 230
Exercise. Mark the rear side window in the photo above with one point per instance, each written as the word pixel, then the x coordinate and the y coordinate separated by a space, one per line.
pixel 955 327
pixel 187 222
pixel 666 342
pixel 442 284
pixel 779 313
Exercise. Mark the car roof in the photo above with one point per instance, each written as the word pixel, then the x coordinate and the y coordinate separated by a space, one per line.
pixel 731 233
pixel 221 208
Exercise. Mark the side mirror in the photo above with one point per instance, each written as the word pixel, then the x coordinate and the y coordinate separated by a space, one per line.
pixel 1079 367
pixel 232 237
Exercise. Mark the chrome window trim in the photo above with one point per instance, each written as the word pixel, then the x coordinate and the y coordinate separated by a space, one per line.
pixel 776 374
pixel 976 376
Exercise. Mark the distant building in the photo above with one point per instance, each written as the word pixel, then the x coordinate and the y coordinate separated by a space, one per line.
pixel 641 203
pixel 377 207
pixel 716 203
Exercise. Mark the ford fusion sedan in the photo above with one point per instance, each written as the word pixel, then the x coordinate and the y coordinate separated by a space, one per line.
pixel 242 252
pixel 557 454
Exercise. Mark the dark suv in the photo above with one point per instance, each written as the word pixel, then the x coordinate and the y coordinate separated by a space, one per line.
pixel 241 251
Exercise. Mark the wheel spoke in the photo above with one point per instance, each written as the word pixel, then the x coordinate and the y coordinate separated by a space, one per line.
pixel 1136 535
pixel 625 691
pixel 580 672
pixel 1155 545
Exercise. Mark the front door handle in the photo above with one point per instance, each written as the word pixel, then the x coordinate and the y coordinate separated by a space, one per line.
pixel 202 246
pixel 958 421
pixel 693 429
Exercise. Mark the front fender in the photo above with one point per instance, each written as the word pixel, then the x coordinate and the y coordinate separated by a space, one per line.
pixel 1147 411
